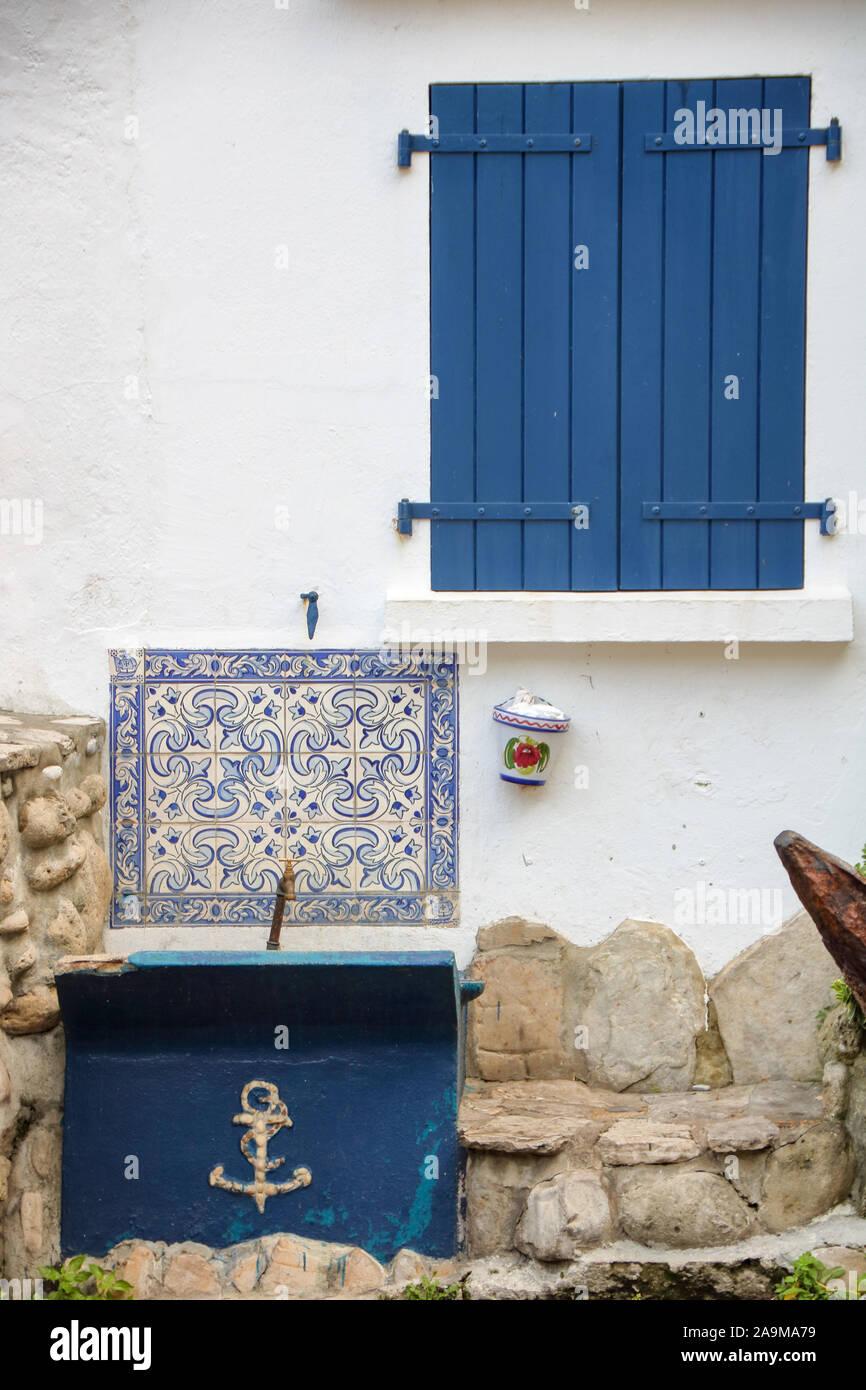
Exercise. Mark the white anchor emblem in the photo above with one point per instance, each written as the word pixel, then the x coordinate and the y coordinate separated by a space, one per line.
pixel 263 1123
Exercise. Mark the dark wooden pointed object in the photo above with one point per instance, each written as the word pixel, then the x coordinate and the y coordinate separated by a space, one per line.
pixel 834 895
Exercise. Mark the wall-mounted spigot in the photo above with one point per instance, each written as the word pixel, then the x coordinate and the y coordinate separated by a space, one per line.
pixel 312 602
pixel 285 893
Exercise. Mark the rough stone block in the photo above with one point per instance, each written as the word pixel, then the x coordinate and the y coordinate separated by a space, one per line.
pixel 497 1187
pixel 35 1012
pixel 806 1178
pixel 514 931
pixel 642 1140
pixel 661 1206
pixel 564 1215
pixel 45 820
pixel 767 1000
pixel 516 1022
pixel 745 1133
pixel 834 1093
pixel 639 995
pixel 190 1274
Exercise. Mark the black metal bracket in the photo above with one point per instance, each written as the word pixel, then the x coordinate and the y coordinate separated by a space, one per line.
pixel 797 137
pixel 407 512
pixel 580 142
pixel 743 511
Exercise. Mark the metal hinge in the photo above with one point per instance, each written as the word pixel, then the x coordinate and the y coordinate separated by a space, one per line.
pixel 743 511
pixel 407 512
pixel 579 142
pixel 797 137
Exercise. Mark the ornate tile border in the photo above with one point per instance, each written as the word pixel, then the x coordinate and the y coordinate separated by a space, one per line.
pixel 225 763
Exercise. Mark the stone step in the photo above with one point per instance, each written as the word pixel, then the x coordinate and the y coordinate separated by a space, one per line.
pixel 559 1167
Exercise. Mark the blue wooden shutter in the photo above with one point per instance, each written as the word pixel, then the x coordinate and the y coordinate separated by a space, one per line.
pixel 605 385
pixel 523 347
pixel 713 287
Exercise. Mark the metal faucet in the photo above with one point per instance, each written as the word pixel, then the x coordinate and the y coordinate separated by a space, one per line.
pixel 285 893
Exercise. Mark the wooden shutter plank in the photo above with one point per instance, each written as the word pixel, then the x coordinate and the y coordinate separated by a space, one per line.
pixel 643 109
pixel 595 338
pixel 783 336
pixel 499 339
pixel 452 340
pixel 547 360
pixel 686 395
pixel 736 275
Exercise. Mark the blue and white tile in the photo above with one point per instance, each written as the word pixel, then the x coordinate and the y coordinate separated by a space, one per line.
pixel 231 667
pixel 126 665
pixel 321 786
pixel 248 717
pixel 323 856
pixel 391 857
pixel 178 718
pixel 441 852
pixel 249 856
pixel 250 785
pixel 390 715
pixel 126 732
pixel 180 786
pixel 390 785
pixel 126 855
pixel 162 665
pixel 304 666
pixel 179 857
pixel 127 787
pixel 319 717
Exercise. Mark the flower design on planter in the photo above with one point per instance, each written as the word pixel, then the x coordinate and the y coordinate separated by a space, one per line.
pixel 525 755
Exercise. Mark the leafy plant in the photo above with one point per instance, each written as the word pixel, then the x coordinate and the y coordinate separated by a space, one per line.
pixel 808 1280
pixel 73 1275
pixel 430 1289
pixel 861 867
pixel 845 995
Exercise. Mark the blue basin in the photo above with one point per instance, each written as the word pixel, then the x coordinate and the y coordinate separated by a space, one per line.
pixel 360 1060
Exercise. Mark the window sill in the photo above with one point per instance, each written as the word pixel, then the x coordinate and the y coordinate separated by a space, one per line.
pixel 779 615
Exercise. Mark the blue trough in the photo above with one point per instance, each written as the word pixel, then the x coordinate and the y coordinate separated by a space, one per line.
pixel 360 1060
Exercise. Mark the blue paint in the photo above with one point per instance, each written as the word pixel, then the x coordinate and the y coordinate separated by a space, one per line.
pixel 603 384
pixel 157 1057
pixel 326 1217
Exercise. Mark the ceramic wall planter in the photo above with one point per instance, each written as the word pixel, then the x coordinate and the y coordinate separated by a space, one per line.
pixel 530 728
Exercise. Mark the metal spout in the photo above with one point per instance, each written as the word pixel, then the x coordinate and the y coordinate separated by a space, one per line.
pixel 285 893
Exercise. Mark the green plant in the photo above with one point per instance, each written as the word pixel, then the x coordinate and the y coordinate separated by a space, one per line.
pixel 73 1275
pixel 430 1289
pixel 808 1280
pixel 861 867
pixel 845 995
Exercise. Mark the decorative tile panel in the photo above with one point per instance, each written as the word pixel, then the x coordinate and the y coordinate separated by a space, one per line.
pixel 225 764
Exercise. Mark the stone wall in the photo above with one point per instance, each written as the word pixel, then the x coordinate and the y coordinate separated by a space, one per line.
pixel 614 1094
pixel 55 886
pixel 634 1013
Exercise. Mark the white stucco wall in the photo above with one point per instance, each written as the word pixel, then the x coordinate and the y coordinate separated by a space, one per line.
pixel 166 388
